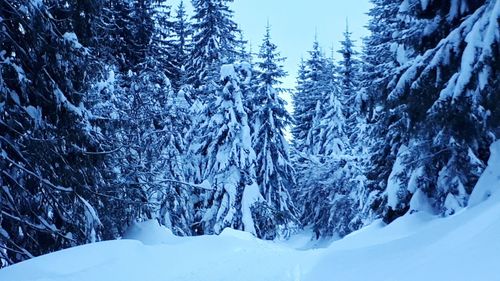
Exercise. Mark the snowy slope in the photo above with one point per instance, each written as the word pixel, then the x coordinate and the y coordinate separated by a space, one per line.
pixel 232 254
pixel 465 247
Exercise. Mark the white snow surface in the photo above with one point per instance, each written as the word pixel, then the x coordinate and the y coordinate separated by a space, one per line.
pixel 465 247
pixel 71 37
pixel 489 182
pixel 394 185
pixel 227 71
pixel 151 233
pixel 251 195
pixel 418 246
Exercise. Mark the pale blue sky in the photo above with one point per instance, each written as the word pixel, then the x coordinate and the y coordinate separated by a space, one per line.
pixel 294 23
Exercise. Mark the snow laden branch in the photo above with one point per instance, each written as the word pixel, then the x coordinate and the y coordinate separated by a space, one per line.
pixel 203 186
pixel 42 180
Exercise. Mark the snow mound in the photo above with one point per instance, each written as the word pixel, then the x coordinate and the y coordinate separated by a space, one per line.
pixel 227 71
pixel 242 235
pixel 489 182
pixel 87 260
pixel 415 247
pixel 150 233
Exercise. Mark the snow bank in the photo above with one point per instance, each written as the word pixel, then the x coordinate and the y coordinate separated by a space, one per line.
pixel 150 233
pixel 421 246
pixel 415 247
pixel 489 182
pixel 242 235
pixel 232 256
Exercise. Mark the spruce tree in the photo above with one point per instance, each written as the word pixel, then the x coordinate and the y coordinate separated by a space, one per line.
pixel 299 129
pixel 52 164
pixel 441 93
pixel 330 180
pixel 147 124
pixel 214 41
pixel 308 100
pixel 275 174
pixel 379 62
pixel 182 45
pixel 129 31
pixel 154 126
pixel 162 45
pixel 349 76
pixel 380 65
pixel 228 159
pixel 330 124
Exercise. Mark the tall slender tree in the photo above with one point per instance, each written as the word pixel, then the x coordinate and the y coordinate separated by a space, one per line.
pixel 308 100
pixel 330 179
pixel 387 123
pixel 379 62
pixel 182 45
pixel 214 41
pixel 227 166
pixel 274 170
pixel 349 75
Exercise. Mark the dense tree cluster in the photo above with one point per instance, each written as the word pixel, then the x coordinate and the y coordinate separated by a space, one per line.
pixel 435 118
pixel 115 111
pixel 118 111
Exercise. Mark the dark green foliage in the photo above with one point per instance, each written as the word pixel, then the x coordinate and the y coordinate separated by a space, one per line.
pixel 214 41
pixel 51 177
pixel 269 118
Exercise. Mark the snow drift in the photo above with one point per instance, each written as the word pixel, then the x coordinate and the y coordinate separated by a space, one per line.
pixel 418 246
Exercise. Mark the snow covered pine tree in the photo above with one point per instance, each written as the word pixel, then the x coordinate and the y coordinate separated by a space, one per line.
pixel 228 165
pixel 51 168
pixel 445 93
pixel 275 177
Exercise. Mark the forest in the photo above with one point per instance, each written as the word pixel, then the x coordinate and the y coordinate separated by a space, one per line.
pixel 121 111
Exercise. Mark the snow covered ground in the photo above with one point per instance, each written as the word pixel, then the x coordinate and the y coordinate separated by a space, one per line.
pixel 419 246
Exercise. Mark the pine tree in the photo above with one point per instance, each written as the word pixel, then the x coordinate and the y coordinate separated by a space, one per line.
pixel 441 93
pixel 349 76
pixel 132 25
pixel 214 41
pixel 380 65
pixel 244 49
pixel 379 62
pixel 331 165
pixel 330 124
pixel 309 99
pixel 162 47
pixel 176 206
pixel 333 138
pixel 84 15
pixel 228 164
pixel 182 45
pixel 299 129
pixel 331 178
pixel 147 123
pixel 274 170
pixel 52 165
pixel 156 147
